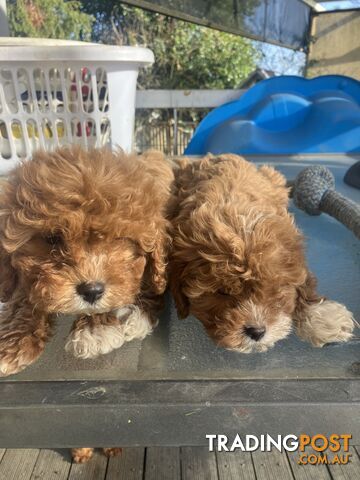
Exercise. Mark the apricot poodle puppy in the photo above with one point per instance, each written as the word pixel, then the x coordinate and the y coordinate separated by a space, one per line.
pixel 83 455
pixel 81 233
pixel 238 261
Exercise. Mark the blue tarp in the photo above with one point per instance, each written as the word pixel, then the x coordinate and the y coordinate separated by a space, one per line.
pixel 283 22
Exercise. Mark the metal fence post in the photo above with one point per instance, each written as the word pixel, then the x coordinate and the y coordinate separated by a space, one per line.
pixel 175 139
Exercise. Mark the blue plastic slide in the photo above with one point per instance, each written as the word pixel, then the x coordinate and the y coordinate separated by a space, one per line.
pixel 285 115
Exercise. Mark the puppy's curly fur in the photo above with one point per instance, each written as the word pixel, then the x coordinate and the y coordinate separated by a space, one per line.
pixel 71 217
pixel 83 455
pixel 238 259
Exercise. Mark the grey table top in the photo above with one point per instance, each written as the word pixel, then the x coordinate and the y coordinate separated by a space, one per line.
pixel 180 350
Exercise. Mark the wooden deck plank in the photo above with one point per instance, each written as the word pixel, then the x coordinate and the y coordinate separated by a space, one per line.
pixel 127 466
pixel 18 464
pixel 307 472
pixel 52 465
pixel 197 463
pixel 162 463
pixel 94 469
pixel 271 465
pixel 235 466
pixel 349 471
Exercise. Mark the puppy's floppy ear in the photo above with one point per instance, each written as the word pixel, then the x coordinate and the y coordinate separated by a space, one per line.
pixel 10 237
pixel 181 300
pixel 8 276
pixel 307 293
pixel 157 264
pixel 160 171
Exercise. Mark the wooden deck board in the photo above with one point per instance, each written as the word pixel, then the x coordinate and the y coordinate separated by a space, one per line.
pixel 197 463
pixel 269 465
pixel 351 471
pixel 162 463
pixel 18 464
pixel 94 469
pixel 307 472
pixel 165 463
pixel 235 466
pixel 52 465
pixel 127 466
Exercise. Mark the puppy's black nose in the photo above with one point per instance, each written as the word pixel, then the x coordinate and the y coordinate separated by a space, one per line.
pixel 91 291
pixel 255 333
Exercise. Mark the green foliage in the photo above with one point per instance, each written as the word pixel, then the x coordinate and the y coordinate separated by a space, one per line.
pixel 186 55
pixel 204 58
pixel 49 19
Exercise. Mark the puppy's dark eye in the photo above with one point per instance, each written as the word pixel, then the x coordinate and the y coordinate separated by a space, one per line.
pixel 137 248
pixel 54 240
pixel 222 291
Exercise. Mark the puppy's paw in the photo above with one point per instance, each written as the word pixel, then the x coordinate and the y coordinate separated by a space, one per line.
pixel 325 322
pixel 112 452
pixel 18 351
pixel 89 340
pixel 82 455
pixel 136 323
pixel 103 333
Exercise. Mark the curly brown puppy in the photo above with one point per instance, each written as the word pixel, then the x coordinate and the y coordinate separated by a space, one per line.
pixel 238 261
pixel 82 233
pixel 83 455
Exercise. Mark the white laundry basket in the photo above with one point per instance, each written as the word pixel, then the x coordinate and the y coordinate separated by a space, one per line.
pixel 55 93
